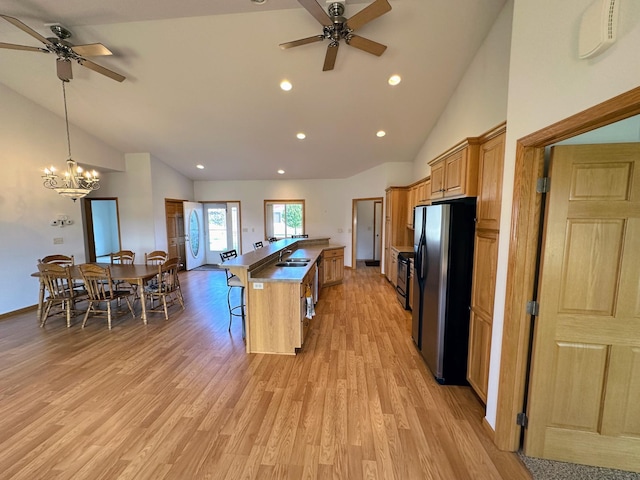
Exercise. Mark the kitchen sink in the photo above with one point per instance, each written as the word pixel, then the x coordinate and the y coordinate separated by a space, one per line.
pixel 302 260
pixel 292 264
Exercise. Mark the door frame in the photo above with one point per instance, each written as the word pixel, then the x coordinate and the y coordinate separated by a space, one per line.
pixel 354 227
pixel 89 239
pixel 523 251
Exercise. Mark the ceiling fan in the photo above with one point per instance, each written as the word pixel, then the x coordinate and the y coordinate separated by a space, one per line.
pixel 64 50
pixel 335 28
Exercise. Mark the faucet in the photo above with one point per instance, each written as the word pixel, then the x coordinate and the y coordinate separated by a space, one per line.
pixel 282 252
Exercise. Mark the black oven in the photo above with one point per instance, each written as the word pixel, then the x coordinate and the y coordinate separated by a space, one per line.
pixel 402 285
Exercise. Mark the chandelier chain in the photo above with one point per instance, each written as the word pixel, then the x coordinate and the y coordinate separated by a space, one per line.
pixel 66 116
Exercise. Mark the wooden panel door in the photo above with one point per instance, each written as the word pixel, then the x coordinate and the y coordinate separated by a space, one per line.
pixel 585 388
pixel 175 230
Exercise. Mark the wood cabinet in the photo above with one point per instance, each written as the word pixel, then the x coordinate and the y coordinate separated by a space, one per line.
pixel 485 259
pixel 454 174
pixel 396 231
pixel 332 266
pixel 490 163
pixel 418 193
pixel 278 322
pixel 393 267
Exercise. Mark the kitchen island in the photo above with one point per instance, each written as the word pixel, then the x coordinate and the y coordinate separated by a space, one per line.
pixel 278 278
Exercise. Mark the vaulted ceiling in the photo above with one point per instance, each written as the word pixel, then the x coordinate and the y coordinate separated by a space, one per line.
pixel 202 81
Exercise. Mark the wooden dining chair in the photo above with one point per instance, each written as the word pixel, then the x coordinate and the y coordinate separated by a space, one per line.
pixel 101 290
pixel 167 286
pixel 233 281
pixel 58 259
pixel 303 235
pixel 63 261
pixel 157 257
pixel 272 239
pixel 59 290
pixel 257 245
pixel 123 257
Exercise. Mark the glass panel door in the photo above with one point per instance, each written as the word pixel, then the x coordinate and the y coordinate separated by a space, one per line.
pixel 223 229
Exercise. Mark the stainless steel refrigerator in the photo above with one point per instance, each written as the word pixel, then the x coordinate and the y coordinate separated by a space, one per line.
pixel 443 265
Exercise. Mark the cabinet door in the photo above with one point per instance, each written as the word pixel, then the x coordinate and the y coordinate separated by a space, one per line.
pixel 485 261
pixel 455 173
pixel 333 266
pixel 394 267
pixel 437 180
pixel 491 159
pixel 479 354
pixel 424 192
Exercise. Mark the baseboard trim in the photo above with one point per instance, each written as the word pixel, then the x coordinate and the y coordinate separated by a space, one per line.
pixel 17 312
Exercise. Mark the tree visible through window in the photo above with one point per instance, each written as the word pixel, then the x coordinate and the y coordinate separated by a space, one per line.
pixel 283 218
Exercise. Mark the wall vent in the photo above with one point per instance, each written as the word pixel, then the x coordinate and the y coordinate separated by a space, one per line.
pixel 598 28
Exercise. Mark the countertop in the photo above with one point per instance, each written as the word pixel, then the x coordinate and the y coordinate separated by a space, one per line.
pixel 402 248
pixel 261 262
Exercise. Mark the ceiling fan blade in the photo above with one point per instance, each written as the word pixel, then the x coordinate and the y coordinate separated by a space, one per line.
pixel 26 29
pixel 366 45
pixel 370 12
pixel 104 71
pixel 302 41
pixel 11 46
pixel 91 50
pixel 317 11
pixel 330 58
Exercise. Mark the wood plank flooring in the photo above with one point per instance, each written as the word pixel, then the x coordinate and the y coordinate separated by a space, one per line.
pixel 180 399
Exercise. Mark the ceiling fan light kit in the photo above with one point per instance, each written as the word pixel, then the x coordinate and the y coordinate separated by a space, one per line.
pixel 335 27
pixel 64 50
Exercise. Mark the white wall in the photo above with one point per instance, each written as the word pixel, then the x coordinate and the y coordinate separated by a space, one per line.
pixel 327 202
pixel 141 190
pixel 548 83
pixel 480 100
pixel 33 138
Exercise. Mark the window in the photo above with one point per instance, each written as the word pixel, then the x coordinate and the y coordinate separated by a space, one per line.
pixel 283 218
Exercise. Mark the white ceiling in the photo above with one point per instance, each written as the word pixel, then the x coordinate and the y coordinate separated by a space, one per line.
pixel 202 81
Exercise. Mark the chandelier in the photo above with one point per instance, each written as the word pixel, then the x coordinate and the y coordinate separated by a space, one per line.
pixel 75 183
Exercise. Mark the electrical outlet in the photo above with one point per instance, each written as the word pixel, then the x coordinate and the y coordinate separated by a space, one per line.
pixel 58 241
pixel 258 286
pixel 245 230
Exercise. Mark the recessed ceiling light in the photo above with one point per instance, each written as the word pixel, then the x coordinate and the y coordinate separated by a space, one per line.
pixel 301 136
pixel 286 85
pixel 258 2
pixel 201 167
pixel 281 172
pixel 381 133
pixel 394 80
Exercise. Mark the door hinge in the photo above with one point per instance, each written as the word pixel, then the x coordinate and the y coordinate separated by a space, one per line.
pixel 522 419
pixel 533 308
pixel 543 184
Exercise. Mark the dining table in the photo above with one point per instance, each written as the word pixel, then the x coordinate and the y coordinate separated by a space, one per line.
pixel 133 274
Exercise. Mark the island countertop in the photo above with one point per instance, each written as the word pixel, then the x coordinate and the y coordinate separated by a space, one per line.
pixel 260 263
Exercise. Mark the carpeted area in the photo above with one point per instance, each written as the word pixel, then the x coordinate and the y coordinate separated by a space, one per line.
pixel 542 469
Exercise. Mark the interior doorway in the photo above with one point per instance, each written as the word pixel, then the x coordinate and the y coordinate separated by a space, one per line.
pixel 366 232
pixel 101 228
pixel 174 217
pixel 523 253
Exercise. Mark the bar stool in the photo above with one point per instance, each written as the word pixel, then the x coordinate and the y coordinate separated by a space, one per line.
pixel 234 281
pixel 257 245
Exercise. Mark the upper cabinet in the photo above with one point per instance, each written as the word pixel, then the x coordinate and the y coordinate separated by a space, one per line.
pixel 454 174
pixel 419 194
pixel 490 183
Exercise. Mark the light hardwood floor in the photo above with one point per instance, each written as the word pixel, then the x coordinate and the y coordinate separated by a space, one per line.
pixel 180 399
